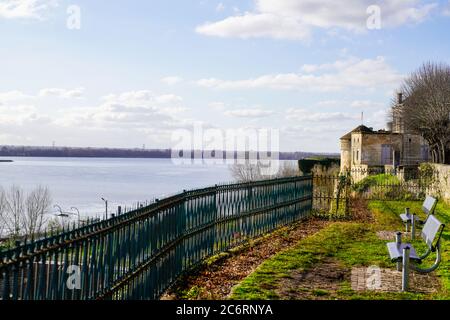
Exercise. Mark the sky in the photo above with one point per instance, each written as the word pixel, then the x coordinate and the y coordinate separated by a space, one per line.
pixel 98 73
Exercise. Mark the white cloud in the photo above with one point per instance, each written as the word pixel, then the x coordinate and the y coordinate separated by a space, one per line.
pixel 143 98
pixel 133 109
pixel 220 7
pixel 172 80
pixel 217 105
pixel 367 104
pixel 62 93
pixel 304 115
pixel 32 9
pixel 19 115
pixel 329 103
pixel 446 10
pixel 377 119
pixel 15 95
pixel 295 19
pixel 252 25
pixel 341 75
pixel 249 113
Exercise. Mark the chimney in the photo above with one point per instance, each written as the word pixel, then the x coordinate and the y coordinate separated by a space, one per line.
pixel 399 97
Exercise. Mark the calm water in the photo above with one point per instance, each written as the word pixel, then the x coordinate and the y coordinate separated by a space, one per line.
pixel 81 183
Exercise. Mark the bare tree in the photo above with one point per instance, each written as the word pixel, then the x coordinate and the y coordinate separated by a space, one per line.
pixel 14 210
pixel 246 172
pixel 24 216
pixel 2 211
pixel 426 108
pixel 253 172
pixel 288 169
pixel 38 203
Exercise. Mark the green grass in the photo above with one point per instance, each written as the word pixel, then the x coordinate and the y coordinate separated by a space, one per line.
pixel 376 180
pixel 350 244
pixel 386 213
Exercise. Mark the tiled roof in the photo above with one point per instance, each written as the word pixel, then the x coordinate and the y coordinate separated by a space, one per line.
pixel 360 129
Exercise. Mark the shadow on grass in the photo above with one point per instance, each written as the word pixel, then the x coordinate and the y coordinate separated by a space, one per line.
pixel 350 244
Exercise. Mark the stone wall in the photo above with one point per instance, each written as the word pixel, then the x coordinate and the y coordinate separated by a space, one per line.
pixel 444 180
pixel 346 154
pixel 372 144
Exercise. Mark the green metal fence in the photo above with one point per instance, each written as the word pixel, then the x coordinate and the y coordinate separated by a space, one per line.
pixel 139 254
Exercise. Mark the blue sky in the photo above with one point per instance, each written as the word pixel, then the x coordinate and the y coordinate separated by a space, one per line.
pixel 136 71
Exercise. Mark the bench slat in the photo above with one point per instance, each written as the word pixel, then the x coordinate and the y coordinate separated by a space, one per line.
pixel 433 227
pixel 406 218
pixel 396 251
pixel 429 205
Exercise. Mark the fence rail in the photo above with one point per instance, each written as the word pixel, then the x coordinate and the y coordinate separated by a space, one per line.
pixel 333 192
pixel 139 254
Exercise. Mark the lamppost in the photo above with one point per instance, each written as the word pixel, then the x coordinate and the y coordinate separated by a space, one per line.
pixel 106 207
pixel 65 214
pixel 61 213
pixel 78 213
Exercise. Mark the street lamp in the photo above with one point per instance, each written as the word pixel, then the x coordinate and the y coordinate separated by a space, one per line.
pixel 61 213
pixel 78 213
pixel 106 207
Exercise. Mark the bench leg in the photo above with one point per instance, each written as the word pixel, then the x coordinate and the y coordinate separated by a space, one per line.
pixel 408 214
pixel 405 271
pixel 398 240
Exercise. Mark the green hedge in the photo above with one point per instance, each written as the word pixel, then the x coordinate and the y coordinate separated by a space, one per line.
pixel 306 165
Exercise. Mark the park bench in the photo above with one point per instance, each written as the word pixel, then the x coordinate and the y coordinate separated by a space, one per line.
pixel 406 256
pixel 409 219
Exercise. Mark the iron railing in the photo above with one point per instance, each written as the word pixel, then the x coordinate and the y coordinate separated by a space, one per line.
pixel 139 254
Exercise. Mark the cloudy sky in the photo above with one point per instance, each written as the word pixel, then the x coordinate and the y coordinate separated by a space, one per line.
pixel 137 70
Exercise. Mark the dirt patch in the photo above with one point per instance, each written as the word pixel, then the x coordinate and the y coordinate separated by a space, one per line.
pixel 390 235
pixel 215 281
pixel 387 280
pixel 319 282
pixel 360 211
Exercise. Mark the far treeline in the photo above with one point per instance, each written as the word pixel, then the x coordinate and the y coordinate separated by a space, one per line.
pixel 63 152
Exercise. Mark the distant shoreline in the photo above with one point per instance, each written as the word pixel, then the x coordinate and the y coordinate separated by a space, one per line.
pixel 66 152
pixel 6 161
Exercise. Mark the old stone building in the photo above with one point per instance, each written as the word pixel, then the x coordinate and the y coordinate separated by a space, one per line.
pixel 364 148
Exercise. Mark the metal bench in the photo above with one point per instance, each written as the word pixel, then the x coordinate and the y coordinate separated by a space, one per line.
pixel 410 220
pixel 406 256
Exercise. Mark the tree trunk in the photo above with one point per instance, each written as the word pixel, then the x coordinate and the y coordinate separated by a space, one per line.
pixel 446 152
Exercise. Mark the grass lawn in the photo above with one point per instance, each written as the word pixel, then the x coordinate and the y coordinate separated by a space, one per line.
pixel 348 244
